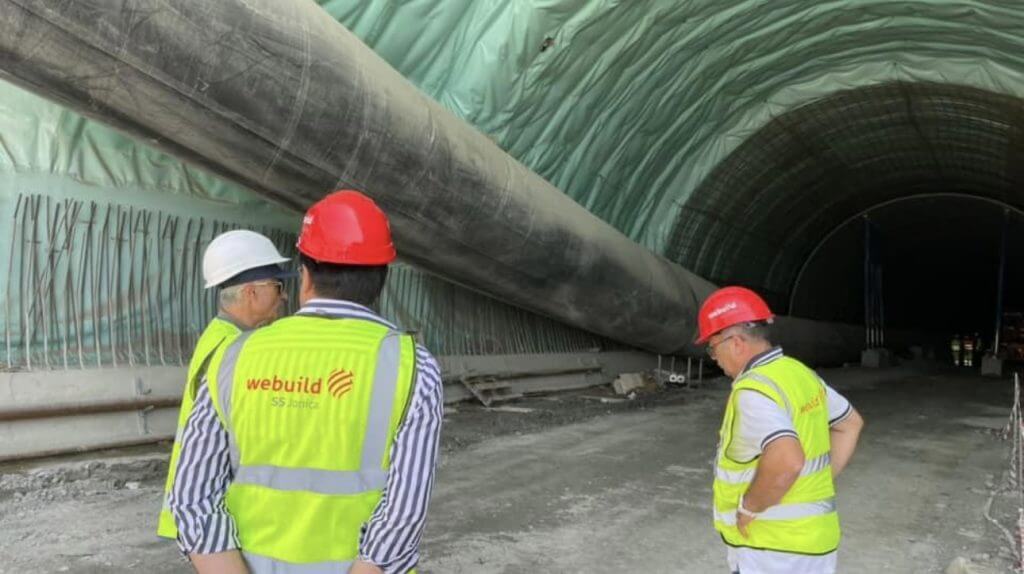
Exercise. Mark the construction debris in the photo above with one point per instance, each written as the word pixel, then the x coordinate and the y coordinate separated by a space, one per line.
pixel 628 382
pixel 489 388
pixel 605 400
pixel 663 376
pixel 508 409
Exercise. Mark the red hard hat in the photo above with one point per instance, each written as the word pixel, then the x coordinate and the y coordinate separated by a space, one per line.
pixel 347 228
pixel 730 306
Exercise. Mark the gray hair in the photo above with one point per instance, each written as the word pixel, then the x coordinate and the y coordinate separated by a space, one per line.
pixel 759 331
pixel 229 295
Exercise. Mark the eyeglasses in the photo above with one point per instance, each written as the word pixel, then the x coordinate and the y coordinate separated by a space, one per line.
pixel 278 284
pixel 711 348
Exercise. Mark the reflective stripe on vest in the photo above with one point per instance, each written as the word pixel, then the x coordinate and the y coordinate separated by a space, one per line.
pixel 744 476
pixel 312 406
pixel 805 520
pixel 266 565
pixel 765 380
pixel 785 511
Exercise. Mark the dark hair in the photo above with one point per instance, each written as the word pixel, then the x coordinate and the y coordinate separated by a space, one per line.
pixel 356 283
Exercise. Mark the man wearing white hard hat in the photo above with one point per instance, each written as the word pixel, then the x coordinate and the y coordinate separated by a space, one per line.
pixel 246 269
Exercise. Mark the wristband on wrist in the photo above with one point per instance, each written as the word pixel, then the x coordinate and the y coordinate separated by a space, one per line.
pixel 746 512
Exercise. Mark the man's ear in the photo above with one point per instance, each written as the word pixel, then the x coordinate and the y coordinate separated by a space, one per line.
pixel 249 291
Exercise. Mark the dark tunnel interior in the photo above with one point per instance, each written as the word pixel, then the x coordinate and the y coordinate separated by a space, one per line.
pixel 933 170
pixel 940 262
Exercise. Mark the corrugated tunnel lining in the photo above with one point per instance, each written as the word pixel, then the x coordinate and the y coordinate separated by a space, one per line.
pixel 762 211
pixel 628 107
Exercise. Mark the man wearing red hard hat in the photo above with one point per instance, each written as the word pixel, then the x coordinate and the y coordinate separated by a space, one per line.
pixel 301 427
pixel 785 436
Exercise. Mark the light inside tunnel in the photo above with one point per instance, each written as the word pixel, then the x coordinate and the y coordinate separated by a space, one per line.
pixel 932 166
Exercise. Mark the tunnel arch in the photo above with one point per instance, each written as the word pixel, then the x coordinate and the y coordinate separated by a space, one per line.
pixel 629 107
pixel 824 241
pixel 762 212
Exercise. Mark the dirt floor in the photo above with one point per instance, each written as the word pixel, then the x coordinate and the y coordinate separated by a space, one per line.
pixel 586 482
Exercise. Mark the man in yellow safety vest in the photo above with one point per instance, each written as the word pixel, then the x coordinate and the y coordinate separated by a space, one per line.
pixel 300 428
pixel 785 436
pixel 245 268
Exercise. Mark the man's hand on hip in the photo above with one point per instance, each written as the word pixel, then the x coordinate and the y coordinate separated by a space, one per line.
pixel 742 520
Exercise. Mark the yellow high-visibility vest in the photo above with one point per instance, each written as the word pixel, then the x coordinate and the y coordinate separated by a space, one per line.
pixel 217 332
pixel 805 521
pixel 312 405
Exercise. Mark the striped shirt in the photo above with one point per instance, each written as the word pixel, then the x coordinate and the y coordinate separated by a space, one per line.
pixel 390 539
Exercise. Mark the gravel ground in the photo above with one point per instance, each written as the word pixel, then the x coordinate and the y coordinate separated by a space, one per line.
pixel 96 512
pixel 588 481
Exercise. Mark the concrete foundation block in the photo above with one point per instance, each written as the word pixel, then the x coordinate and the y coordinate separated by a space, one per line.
pixel 627 383
pixel 875 358
pixel 991 366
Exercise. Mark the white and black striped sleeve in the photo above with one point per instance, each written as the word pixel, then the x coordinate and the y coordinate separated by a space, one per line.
pixel 201 481
pixel 391 538
pixel 839 408
pixel 760 421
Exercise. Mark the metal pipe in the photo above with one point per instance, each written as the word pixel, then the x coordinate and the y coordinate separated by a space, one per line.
pixel 881 306
pixel 1001 283
pixel 145 301
pixel 29 331
pixel 277 96
pixel 46 276
pixel 68 410
pixel 75 304
pixel 94 282
pixel 10 280
pixel 867 281
pixel 129 295
pixel 104 280
pixel 80 449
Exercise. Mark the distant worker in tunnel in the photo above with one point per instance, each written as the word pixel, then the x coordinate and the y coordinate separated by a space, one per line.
pixel 313 443
pixel 246 270
pixel 785 436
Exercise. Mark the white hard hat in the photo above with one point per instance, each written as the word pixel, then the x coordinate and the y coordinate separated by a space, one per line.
pixel 234 252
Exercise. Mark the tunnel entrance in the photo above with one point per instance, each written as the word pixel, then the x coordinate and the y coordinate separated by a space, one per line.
pixel 930 168
pixel 939 257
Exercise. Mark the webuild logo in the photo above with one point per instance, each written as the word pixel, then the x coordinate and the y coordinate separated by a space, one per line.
pixel 338 383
